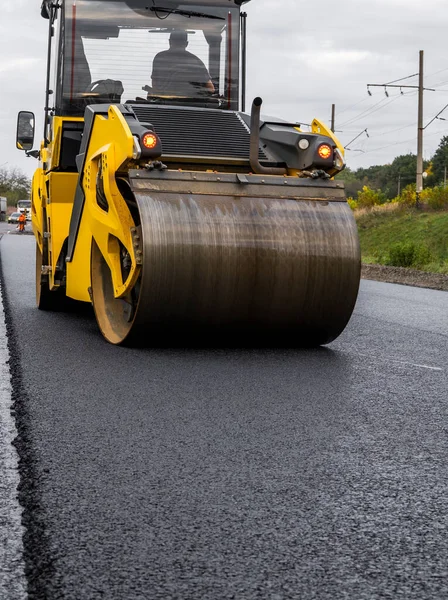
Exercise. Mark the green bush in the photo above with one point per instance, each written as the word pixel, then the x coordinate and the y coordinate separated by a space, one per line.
pixel 368 198
pixel 352 203
pixel 422 256
pixel 408 254
pixel 436 197
pixel 408 196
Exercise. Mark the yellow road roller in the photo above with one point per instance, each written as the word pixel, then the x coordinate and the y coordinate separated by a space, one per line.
pixel 165 204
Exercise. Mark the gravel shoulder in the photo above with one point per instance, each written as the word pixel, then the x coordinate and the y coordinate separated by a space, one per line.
pixel 433 281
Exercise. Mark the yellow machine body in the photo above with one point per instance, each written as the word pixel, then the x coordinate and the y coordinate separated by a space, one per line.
pixel 182 207
pixel 53 195
pixel 177 214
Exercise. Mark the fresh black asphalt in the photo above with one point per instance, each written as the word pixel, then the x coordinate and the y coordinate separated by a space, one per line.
pixel 246 474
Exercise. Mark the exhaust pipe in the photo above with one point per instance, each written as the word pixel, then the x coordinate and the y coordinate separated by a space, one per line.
pixel 255 164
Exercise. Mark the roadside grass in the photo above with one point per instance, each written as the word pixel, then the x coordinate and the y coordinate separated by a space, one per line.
pixel 391 234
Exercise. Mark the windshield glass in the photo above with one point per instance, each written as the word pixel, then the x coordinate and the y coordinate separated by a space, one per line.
pixel 24 204
pixel 158 51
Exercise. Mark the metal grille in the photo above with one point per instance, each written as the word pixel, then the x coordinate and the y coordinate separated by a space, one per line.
pixel 198 132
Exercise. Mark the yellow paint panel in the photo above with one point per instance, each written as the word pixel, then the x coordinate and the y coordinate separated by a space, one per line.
pixel 110 148
pixel 59 210
pixel 78 271
pixel 37 203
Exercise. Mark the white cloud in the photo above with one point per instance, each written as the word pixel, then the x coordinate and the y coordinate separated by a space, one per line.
pixel 329 60
pixel 19 63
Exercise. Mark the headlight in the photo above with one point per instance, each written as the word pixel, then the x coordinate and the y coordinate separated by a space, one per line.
pixel 137 151
pixel 339 162
pixel 304 144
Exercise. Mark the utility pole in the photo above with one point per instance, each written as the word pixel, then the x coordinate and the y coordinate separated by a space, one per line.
pixel 333 115
pixel 421 89
pixel 444 177
pixel 419 181
pixel 399 185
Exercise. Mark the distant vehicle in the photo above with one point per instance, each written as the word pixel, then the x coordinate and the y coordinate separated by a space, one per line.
pixel 14 217
pixel 24 206
pixel 2 208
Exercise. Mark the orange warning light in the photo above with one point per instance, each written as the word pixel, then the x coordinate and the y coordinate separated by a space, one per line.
pixel 149 140
pixel 324 151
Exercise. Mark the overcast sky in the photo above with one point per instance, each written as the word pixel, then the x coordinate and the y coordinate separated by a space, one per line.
pixel 303 56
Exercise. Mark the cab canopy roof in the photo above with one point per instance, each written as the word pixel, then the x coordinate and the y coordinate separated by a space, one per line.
pixel 140 4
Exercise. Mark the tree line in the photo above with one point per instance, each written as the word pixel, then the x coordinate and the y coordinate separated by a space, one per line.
pixel 14 185
pixel 390 180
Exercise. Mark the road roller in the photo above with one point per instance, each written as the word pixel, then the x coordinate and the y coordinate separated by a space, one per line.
pixel 163 202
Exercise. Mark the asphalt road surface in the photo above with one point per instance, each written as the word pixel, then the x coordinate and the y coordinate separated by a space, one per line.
pixel 247 474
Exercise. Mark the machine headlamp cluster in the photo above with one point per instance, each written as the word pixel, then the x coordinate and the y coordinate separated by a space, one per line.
pixel 323 151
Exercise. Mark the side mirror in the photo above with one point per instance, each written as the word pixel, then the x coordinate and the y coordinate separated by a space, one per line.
pixel 25 130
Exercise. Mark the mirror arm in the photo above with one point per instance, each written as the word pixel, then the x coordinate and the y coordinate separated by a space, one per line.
pixel 32 153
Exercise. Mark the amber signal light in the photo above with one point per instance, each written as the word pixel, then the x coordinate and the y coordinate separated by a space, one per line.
pixel 324 151
pixel 149 140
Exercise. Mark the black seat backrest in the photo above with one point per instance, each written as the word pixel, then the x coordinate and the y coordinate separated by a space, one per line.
pixel 70 145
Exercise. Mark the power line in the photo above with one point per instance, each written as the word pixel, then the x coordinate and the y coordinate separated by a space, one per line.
pixel 349 121
pixel 402 142
pixel 434 118
pixel 437 72
pixel 355 138
pixel 375 108
pixel 402 79
pixel 381 134
pixel 436 85
pixel 353 105
pixel 387 84
pixel 368 111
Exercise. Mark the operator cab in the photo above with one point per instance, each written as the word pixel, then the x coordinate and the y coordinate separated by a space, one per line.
pixel 148 51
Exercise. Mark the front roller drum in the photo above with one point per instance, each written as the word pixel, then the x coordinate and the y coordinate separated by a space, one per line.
pixel 245 271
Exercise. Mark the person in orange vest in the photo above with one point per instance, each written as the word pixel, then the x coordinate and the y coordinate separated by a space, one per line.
pixel 22 221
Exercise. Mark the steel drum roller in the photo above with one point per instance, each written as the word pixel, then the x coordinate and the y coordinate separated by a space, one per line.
pixel 247 269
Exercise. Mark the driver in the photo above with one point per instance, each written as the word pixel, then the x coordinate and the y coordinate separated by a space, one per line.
pixel 177 72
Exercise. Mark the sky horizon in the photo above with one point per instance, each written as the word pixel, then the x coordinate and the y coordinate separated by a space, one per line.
pixel 299 62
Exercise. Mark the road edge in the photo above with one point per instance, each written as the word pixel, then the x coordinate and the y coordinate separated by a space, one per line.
pixel 12 565
pixel 39 568
pixel 403 276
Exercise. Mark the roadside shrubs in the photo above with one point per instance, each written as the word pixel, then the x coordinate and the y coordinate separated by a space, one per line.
pixel 431 198
pixel 368 198
pixel 408 254
pixel 408 196
pixel 435 198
